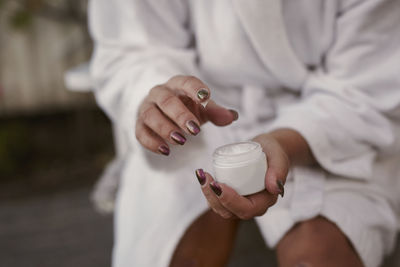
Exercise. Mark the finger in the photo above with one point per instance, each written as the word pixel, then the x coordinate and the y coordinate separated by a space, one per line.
pixel 262 200
pixel 174 109
pixel 190 86
pixel 150 140
pixel 278 165
pixel 219 115
pixel 196 109
pixel 245 207
pixel 205 179
pixel 161 125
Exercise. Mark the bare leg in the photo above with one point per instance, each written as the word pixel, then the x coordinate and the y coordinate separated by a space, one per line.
pixel 316 243
pixel 207 242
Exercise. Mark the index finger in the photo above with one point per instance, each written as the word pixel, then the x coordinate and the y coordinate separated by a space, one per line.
pixel 191 86
pixel 245 207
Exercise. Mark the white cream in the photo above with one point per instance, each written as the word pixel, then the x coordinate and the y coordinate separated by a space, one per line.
pixel 242 166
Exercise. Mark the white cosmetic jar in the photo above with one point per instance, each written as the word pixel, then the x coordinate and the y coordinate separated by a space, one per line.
pixel 242 166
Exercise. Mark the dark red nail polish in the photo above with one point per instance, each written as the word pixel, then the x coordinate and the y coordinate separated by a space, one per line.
pixel 178 138
pixel 281 188
pixel 216 188
pixel 235 114
pixel 164 150
pixel 201 176
pixel 193 127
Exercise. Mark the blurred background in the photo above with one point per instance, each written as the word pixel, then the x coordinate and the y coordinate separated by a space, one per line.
pixel 55 143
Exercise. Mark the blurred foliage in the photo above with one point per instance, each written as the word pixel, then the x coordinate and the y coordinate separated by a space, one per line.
pixel 49 147
pixel 14 147
pixel 22 12
pixel 21 19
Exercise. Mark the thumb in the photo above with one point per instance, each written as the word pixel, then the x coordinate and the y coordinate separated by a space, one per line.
pixel 220 116
pixel 278 168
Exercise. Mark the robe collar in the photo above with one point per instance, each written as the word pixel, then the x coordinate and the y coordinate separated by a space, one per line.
pixel 263 22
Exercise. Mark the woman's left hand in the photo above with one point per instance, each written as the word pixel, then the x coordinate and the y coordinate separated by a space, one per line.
pixel 225 201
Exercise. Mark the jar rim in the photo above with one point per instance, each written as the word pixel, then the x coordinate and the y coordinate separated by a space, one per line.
pixel 226 154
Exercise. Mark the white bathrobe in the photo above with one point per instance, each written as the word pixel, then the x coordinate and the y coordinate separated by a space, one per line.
pixel 327 69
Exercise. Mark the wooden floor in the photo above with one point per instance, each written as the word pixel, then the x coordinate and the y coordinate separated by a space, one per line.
pixel 54 230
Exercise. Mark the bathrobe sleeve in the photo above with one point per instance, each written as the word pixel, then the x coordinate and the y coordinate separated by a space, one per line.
pixel 137 45
pixel 348 105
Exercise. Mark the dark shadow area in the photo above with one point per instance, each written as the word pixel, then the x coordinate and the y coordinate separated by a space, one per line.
pixel 48 164
pixel 50 153
pixel 250 248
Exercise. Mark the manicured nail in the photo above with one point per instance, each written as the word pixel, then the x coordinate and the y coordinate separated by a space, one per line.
pixel 193 127
pixel 202 94
pixel 201 176
pixel 216 188
pixel 177 137
pixel 163 150
pixel 279 183
pixel 235 114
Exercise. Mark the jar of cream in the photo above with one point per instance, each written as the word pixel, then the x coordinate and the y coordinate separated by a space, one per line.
pixel 242 166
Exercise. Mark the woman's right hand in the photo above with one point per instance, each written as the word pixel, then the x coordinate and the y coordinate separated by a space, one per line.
pixel 174 108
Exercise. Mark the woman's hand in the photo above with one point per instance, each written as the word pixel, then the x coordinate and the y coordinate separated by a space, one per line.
pixel 227 203
pixel 282 147
pixel 172 109
pixel 224 200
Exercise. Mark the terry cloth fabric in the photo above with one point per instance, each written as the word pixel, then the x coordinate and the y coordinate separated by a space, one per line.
pixel 338 87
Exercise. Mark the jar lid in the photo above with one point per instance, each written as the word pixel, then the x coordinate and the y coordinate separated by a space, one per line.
pixel 237 153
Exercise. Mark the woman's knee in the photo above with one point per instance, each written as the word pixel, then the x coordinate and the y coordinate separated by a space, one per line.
pixel 316 242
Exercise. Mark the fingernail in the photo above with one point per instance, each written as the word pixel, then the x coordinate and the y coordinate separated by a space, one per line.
pixel 202 94
pixel 235 114
pixel 193 127
pixel 302 265
pixel 201 176
pixel 216 188
pixel 279 183
pixel 177 137
pixel 163 150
